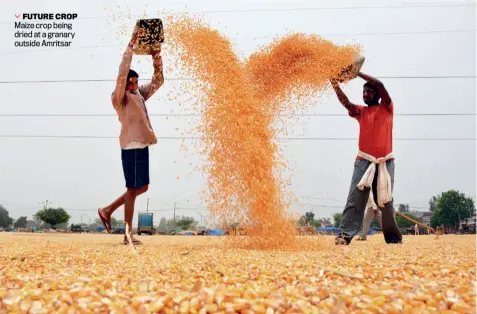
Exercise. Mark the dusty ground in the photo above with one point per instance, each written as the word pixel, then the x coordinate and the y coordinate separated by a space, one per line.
pixel 72 273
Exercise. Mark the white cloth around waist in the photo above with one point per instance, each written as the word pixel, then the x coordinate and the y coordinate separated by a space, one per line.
pixel 384 188
pixel 135 145
pixel 371 204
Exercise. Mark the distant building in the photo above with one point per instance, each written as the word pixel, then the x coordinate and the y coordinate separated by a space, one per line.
pixel 326 223
pixel 468 222
pixel 30 224
pixel 423 216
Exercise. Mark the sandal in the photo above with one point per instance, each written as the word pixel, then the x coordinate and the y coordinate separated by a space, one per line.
pixel 106 224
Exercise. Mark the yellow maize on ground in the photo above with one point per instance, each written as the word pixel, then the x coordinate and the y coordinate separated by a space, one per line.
pixel 93 273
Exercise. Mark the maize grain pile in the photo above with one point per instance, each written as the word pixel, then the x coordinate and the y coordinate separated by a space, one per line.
pixel 240 102
pixel 71 273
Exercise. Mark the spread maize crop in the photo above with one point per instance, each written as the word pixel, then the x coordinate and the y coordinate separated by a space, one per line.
pixel 94 273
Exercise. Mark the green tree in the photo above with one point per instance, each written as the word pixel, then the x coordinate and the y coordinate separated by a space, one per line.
pixel 337 218
pixel 405 223
pixel 309 217
pixel 114 222
pixel 5 219
pixel 20 222
pixel 450 207
pixel 53 216
pixel 433 202
pixel 318 222
pixel 162 225
pixel 186 222
pixel 171 225
pixel 403 208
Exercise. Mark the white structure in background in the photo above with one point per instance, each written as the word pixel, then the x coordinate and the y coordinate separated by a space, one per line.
pixel 424 217
pixel 468 222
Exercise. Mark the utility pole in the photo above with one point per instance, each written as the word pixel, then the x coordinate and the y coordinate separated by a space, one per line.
pixel 174 216
pixel 45 204
pixel 147 206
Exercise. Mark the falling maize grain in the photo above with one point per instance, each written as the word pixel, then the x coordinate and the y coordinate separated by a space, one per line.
pixel 240 102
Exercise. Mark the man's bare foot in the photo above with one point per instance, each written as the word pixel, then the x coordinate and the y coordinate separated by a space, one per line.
pixel 105 219
pixel 134 241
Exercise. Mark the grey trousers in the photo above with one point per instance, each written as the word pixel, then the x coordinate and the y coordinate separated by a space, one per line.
pixel 356 204
pixel 368 219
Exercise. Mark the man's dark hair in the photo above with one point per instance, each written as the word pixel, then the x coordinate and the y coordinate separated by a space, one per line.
pixel 132 73
pixel 371 86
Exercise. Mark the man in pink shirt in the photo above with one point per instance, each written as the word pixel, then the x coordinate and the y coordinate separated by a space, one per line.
pixel 136 135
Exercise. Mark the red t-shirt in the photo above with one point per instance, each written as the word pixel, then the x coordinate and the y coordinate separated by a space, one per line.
pixel 375 128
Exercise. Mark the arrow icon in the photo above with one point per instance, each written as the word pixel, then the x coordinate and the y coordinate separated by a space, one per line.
pixel 17 15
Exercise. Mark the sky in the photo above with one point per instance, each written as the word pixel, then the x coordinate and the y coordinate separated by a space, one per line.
pixel 423 51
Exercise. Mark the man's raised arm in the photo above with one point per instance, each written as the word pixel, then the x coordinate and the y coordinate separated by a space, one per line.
pixel 124 67
pixel 147 90
pixel 353 109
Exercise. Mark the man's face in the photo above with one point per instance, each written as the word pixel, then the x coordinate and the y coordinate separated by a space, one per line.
pixel 370 96
pixel 132 84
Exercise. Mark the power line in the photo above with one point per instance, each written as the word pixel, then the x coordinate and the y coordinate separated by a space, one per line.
pixel 417 6
pixel 200 115
pixel 401 33
pixel 88 80
pixel 59 49
pixel 198 138
pixel 430 77
pixel 444 5
pixel 262 37
pixel 191 79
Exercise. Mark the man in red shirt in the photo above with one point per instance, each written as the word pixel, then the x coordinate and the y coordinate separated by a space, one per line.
pixel 374 165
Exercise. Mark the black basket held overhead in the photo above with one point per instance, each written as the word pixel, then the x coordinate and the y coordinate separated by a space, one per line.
pixel 351 71
pixel 152 38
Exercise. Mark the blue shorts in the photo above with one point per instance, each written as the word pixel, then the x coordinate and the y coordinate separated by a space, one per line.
pixel 135 167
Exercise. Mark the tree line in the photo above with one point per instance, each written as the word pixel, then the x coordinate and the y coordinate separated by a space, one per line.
pixel 58 218
pixel 448 209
